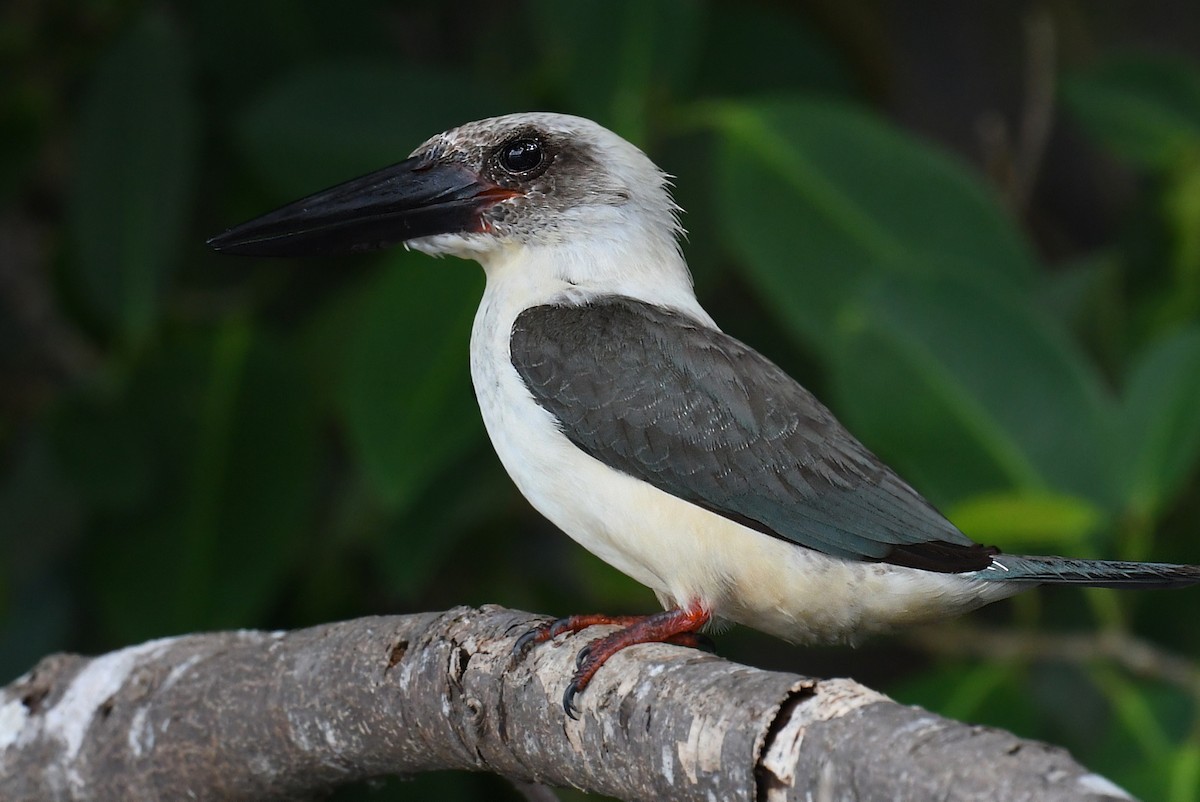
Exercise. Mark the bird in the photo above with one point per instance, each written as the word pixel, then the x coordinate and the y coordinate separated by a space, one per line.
pixel 669 449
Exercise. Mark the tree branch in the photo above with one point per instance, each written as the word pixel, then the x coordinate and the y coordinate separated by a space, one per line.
pixel 258 715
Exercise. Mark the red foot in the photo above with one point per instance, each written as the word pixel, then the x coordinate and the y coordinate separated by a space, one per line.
pixel 680 627
pixel 572 624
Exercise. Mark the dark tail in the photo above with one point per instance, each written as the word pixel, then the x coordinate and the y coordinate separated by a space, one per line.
pixel 1091 573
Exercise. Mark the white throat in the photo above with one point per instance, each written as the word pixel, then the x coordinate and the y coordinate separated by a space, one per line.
pixel 637 264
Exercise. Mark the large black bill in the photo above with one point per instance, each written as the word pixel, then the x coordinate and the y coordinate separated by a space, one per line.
pixel 412 199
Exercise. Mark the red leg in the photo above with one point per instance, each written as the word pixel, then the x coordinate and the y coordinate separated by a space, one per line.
pixel 693 640
pixel 673 626
pixel 678 627
pixel 572 624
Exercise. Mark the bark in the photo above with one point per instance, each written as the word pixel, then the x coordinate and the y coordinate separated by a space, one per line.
pixel 286 715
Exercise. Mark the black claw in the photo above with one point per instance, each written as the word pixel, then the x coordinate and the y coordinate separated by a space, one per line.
pixel 583 655
pixel 706 644
pixel 538 634
pixel 568 701
pixel 525 641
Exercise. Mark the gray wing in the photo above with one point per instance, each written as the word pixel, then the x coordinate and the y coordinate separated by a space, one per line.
pixel 654 394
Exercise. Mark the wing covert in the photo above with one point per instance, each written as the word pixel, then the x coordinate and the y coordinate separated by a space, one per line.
pixel 656 395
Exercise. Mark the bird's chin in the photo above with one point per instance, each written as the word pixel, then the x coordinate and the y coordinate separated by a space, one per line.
pixel 475 246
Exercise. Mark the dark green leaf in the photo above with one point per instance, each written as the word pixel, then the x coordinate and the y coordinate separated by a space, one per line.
pixel 1145 107
pixel 329 124
pixel 405 392
pixel 1161 423
pixel 134 162
pixel 104 448
pixel 40 517
pixel 990 692
pixel 691 156
pixel 1147 717
pixel 756 49
pixel 465 494
pixel 972 390
pixel 1181 211
pixel 40 506
pixel 263 480
pixel 1086 294
pixel 25 125
pixel 244 45
pixel 234 427
pixel 819 197
pixel 618 60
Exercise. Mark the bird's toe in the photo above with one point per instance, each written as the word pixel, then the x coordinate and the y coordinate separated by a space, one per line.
pixel 568 700
pixel 582 657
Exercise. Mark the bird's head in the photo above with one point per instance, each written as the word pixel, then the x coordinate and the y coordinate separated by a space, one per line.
pixel 484 188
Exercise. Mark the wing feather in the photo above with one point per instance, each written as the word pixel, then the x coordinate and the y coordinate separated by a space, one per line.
pixel 654 394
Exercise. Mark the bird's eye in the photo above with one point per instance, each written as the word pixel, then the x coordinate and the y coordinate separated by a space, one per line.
pixel 521 155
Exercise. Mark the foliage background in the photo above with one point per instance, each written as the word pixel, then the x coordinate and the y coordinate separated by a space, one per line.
pixel 974 229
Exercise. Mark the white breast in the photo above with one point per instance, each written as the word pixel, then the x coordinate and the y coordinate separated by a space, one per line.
pixel 682 552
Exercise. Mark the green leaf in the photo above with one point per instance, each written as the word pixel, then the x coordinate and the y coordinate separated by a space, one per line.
pixel 968 389
pixel 1020 519
pixel 464 495
pixel 819 198
pixel 1144 747
pixel 1134 706
pixel 332 123
pixel 40 526
pixel 405 392
pixel 762 50
pixel 617 61
pixel 990 692
pixel 1086 295
pixel 241 46
pixel 135 156
pixel 234 427
pixel 1185 772
pixel 28 110
pixel 1181 209
pixel 261 489
pixel 1160 422
pixel 106 451
pixel 1144 107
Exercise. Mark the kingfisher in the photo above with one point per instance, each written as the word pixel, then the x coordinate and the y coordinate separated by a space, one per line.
pixel 669 449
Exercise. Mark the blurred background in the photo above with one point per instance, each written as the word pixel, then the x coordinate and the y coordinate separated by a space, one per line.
pixel 972 228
